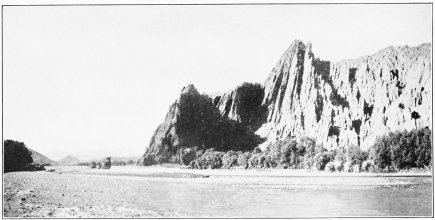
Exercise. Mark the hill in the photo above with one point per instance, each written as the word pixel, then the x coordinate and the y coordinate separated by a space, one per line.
pixel 38 158
pixel 68 160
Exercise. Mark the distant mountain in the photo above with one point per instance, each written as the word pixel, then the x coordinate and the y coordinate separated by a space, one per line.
pixel 97 154
pixel 41 159
pixel 57 154
pixel 68 160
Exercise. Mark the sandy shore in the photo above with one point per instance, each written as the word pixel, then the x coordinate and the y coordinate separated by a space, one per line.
pixel 172 192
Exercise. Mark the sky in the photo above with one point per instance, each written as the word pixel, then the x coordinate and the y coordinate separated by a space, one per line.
pixel 80 79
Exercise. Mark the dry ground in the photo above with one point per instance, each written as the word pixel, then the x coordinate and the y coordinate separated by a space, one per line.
pixel 75 192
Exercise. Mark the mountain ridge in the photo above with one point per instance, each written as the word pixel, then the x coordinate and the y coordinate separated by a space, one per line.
pixel 39 158
pixel 350 102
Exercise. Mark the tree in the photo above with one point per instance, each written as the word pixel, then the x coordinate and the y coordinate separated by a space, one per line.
pixel 16 156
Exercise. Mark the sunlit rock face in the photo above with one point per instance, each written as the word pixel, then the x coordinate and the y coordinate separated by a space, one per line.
pixel 349 102
pixel 338 104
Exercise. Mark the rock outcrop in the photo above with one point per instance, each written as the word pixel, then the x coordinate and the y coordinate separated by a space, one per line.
pixel 106 164
pixel 338 104
pixel 193 121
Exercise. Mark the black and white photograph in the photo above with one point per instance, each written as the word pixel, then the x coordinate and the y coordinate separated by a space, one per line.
pixel 217 110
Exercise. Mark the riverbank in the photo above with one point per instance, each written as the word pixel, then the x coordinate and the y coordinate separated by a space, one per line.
pixel 173 192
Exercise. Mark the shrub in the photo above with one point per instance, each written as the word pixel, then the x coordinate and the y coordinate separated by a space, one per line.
pixel 16 156
pixel 35 167
pixel 229 159
pixel 210 159
pixel 340 154
pixel 355 155
pixel 329 167
pixel 339 165
pixel 199 153
pixel 347 167
pixel 257 150
pixel 243 159
pixel 290 154
pixel 311 150
pixel 356 168
pixel 380 152
pixel 187 156
pixel 321 159
pixel 367 165
pixel 253 161
pixel 403 150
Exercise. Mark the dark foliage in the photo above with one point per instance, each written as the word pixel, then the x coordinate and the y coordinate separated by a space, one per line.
pixel 311 150
pixel 187 156
pixel 355 155
pixel 122 162
pixel 398 150
pixel 209 160
pixel 16 156
pixel 403 150
pixel 287 154
pixel 321 159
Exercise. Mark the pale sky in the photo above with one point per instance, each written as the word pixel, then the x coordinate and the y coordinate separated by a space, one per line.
pixel 84 78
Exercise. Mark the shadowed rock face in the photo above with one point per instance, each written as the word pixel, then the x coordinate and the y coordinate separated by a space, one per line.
pixel 193 121
pixel 338 104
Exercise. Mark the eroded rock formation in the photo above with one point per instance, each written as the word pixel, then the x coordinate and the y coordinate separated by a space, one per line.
pixel 106 164
pixel 349 102
pixel 338 104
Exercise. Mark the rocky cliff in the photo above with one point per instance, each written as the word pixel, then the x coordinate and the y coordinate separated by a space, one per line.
pixel 193 121
pixel 338 104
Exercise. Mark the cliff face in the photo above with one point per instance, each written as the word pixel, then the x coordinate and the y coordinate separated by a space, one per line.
pixel 338 104
pixel 349 102
pixel 193 121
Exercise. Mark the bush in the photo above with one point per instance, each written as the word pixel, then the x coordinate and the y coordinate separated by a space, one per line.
pixel 403 150
pixel 229 159
pixel 187 156
pixel 253 161
pixel 321 159
pixel 16 156
pixel 311 150
pixel 340 154
pixel 367 165
pixel 329 167
pixel 243 159
pixel 355 155
pixel 288 153
pixel 210 159
pixel 35 167
pixel 347 167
